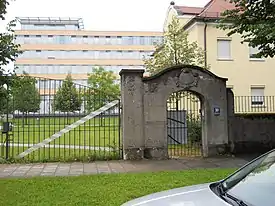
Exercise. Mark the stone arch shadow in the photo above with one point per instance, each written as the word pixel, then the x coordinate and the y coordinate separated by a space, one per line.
pixel 144 118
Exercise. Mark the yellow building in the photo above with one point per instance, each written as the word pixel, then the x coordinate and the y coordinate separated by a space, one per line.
pixel 226 56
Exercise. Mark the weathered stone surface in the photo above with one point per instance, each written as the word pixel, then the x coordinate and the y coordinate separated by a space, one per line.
pixel 132 110
pixel 156 153
pixel 133 154
pixel 144 118
pixel 155 134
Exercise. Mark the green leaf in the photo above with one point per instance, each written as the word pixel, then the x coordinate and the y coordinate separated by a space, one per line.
pixel 26 97
pixel 174 50
pixel 67 98
pixel 255 22
pixel 103 88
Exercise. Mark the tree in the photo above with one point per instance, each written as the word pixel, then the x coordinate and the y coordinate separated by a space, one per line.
pixel 102 88
pixel 8 53
pixel 6 105
pixel 67 98
pixel 26 97
pixel 254 20
pixel 174 50
pixel 3 8
pixel 8 49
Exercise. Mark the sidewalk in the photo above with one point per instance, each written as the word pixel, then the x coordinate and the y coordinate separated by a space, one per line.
pixel 119 166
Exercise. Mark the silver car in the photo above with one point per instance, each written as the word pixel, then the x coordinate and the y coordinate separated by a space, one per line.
pixel 251 185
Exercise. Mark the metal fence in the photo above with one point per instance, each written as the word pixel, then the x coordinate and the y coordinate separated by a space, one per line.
pixel 184 125
pixel 254 104
pixel 54 120
pixel 184 129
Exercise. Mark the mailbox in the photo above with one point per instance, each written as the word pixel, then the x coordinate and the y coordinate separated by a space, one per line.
pixel 7 127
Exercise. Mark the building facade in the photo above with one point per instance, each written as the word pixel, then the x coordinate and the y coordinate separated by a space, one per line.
pixel 227 57
pixel 54 47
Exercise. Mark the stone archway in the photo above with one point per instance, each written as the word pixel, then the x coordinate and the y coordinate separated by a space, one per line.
pixel 144 116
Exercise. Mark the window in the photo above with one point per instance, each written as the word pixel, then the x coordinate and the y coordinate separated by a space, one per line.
pixel 152 40
pixel 224 49
pixel 119 54
pixel 136 40
pixel 85 39
pixel 113 40
pixel 74 39
pixel 257 96
pixel 130 40
pixel 119 40
pixel 107 54
pixel 108 40
pixel 85 54
pixel 96 39
pixel 38 54
pixel 142 40
pixel 252 52
pixel 101 40
pixel 62 39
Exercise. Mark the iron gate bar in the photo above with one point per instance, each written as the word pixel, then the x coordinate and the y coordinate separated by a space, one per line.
pixel 175 120
pixel 174 139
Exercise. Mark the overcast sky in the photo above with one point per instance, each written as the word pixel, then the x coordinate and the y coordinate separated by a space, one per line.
pixel 121 15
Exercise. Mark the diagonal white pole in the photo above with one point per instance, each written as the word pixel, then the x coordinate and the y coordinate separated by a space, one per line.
pixel 68 128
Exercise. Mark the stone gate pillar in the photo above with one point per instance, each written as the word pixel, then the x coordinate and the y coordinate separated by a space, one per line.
pixel 132 113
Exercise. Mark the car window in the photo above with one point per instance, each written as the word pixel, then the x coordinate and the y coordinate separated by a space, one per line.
pixel 235 178
pixel 255 184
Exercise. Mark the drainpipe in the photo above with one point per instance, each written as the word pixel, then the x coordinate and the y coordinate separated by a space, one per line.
pixel 204 44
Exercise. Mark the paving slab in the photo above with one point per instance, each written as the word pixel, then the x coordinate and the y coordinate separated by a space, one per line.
pixel 116 166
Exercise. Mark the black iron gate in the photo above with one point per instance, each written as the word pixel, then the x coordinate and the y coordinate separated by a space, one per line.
pixel 184 134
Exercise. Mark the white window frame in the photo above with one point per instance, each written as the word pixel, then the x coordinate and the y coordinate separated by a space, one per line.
pixel 257 99
pixel 219 56
pixel 251 52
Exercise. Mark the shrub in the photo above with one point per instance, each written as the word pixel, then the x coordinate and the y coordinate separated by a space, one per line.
pixel 194 129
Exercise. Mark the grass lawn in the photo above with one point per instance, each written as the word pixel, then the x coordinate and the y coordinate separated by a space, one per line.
pixel 99 190
pixel 95 132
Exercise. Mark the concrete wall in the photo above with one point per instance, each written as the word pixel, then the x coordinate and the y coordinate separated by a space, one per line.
pixel 252 135
pixel 247 134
